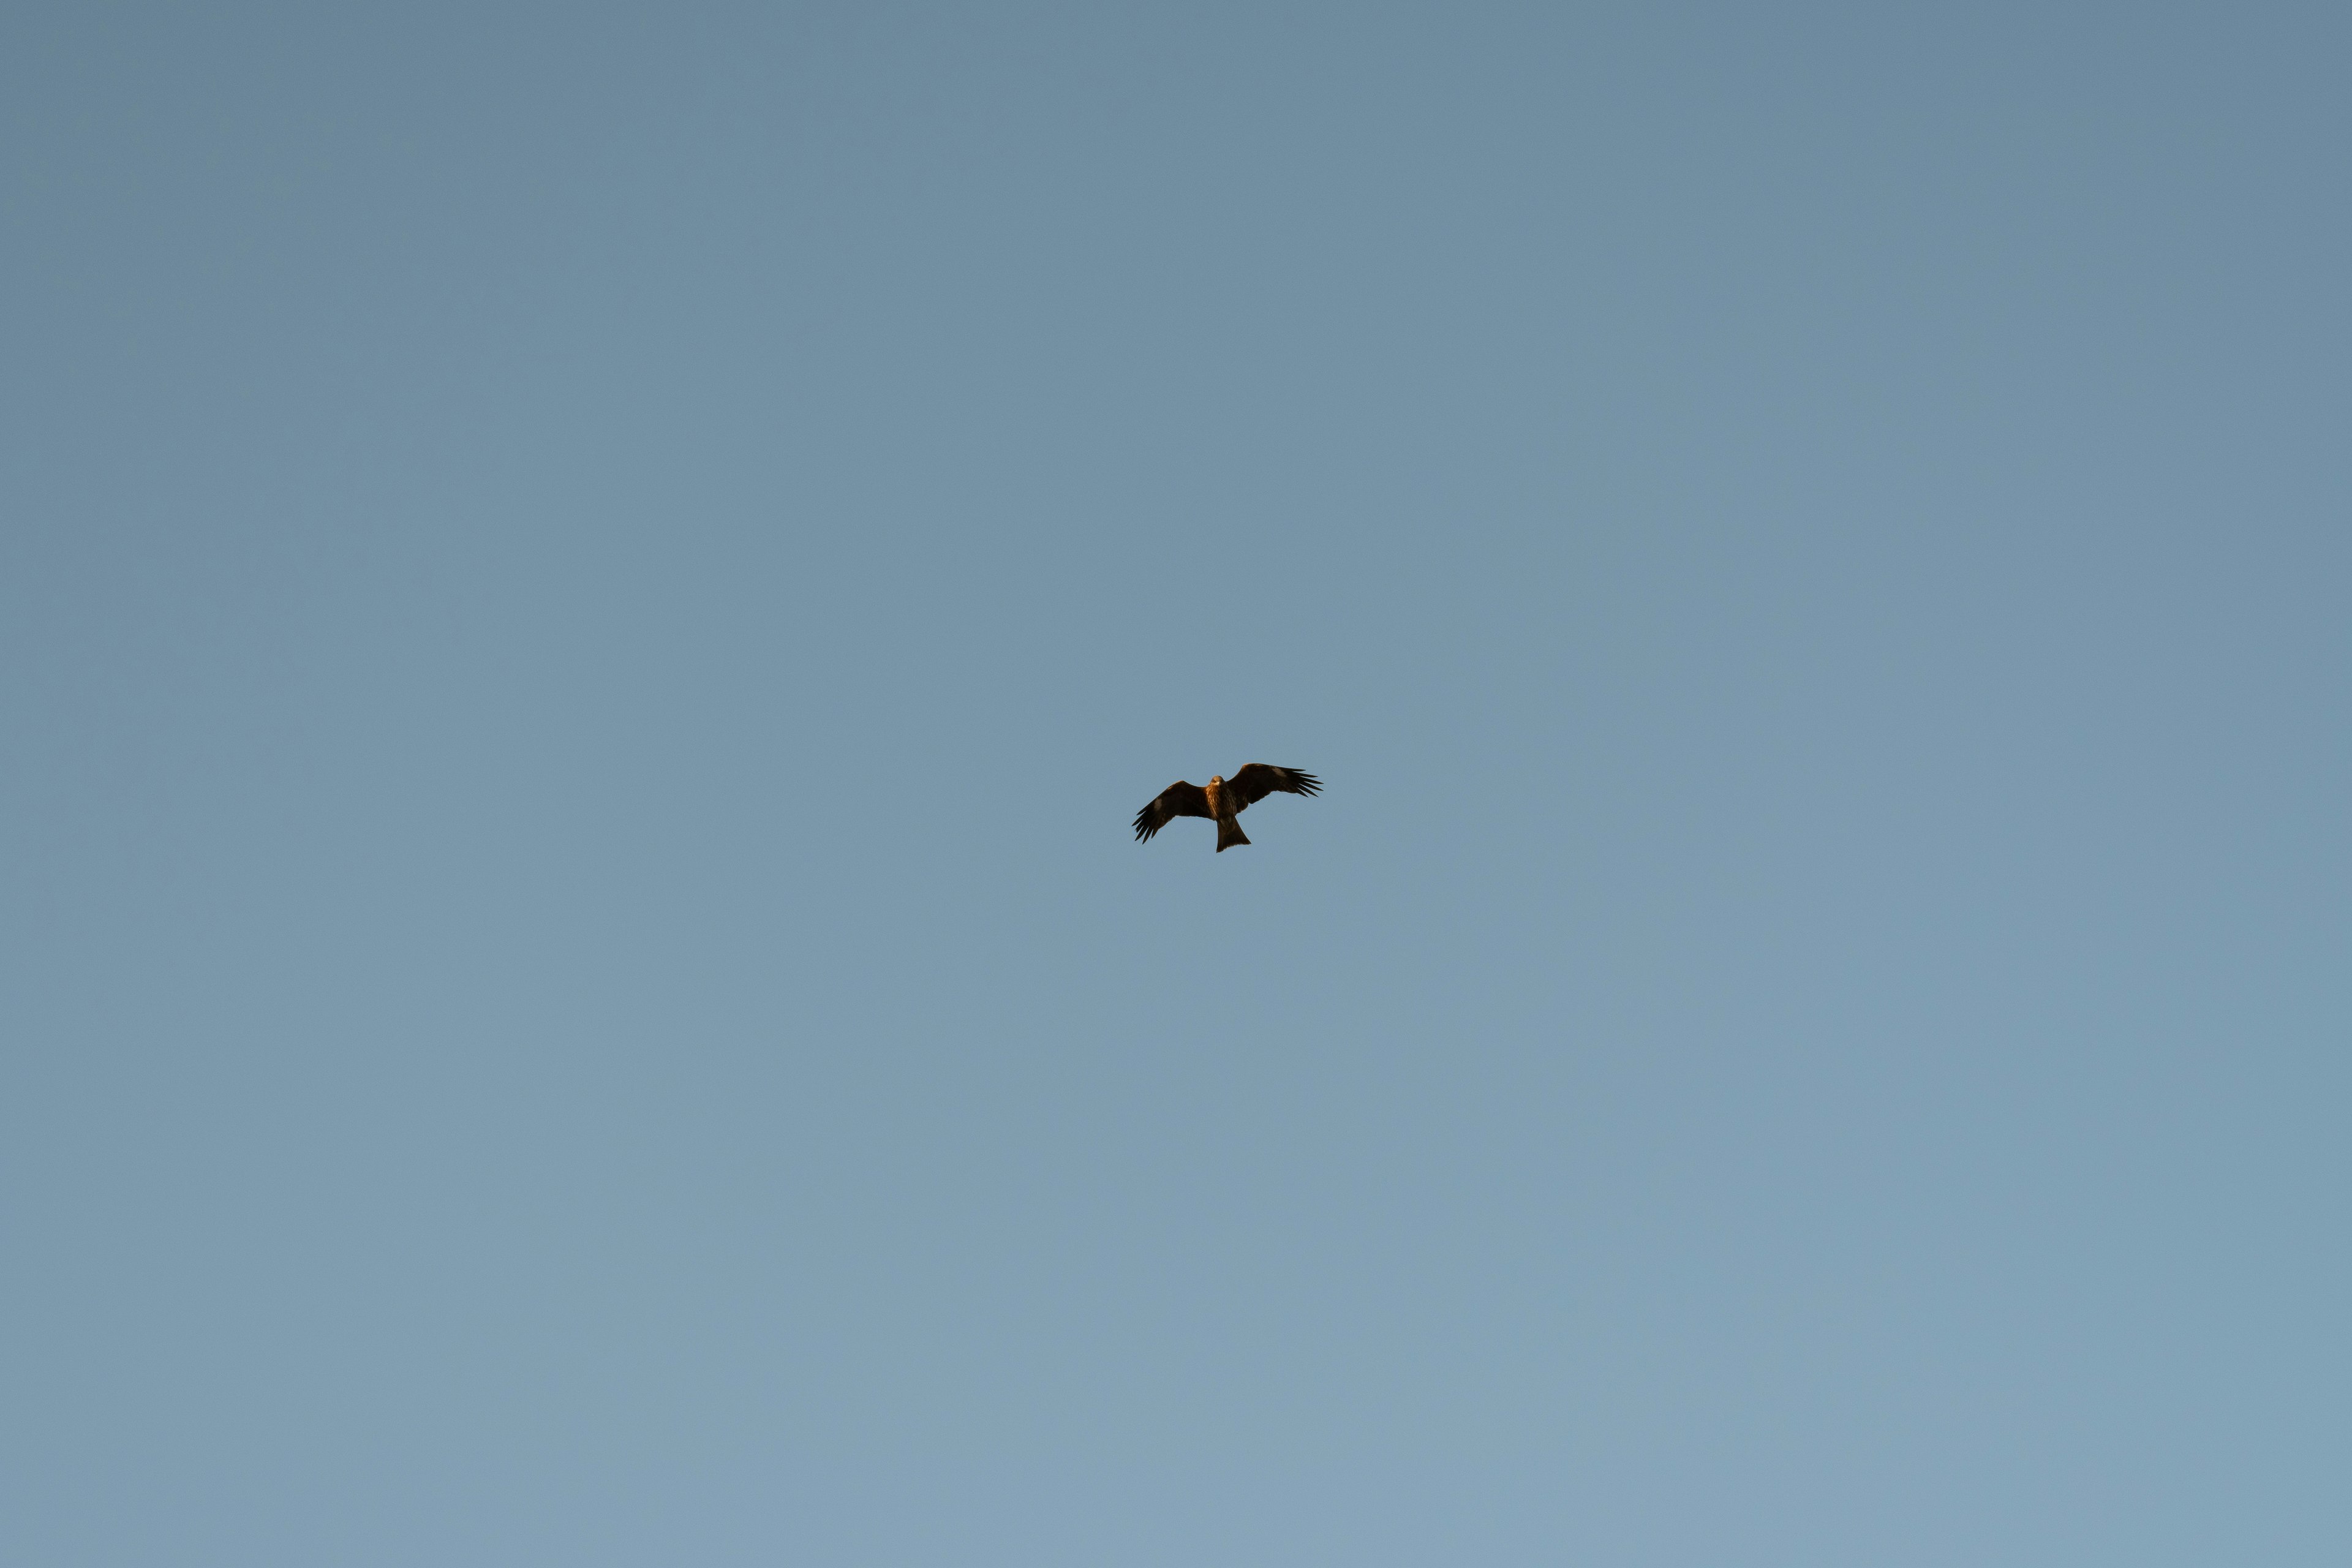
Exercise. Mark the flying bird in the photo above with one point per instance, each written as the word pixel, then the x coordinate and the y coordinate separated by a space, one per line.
pixel 1221 801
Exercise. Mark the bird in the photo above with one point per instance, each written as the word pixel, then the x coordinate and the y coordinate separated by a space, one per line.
pixel 1223 800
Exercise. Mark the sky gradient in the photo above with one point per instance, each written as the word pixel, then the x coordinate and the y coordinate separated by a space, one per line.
pixel 587 595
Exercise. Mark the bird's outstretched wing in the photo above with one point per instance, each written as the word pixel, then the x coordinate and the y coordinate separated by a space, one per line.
pixel 1178 799
pixel 1258 780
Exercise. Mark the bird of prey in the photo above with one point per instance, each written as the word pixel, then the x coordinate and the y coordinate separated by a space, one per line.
pixel 1221 801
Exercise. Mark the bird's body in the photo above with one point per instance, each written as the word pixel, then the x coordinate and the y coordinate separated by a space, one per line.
pixel 1224 807
pixel 1220 800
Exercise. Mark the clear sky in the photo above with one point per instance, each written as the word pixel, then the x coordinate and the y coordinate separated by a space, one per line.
pixel 587 595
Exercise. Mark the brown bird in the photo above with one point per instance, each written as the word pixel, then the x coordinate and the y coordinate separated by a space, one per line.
pixel 1221 801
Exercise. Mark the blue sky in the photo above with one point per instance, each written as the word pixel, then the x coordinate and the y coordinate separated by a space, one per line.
pixel 586 597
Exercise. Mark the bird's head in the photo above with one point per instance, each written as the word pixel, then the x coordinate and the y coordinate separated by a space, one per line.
pixel 1216 778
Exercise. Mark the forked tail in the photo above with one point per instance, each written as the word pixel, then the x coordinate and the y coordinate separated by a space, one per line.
pixel 1229 833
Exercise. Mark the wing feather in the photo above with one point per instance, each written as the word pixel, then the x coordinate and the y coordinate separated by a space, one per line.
pixel 1178 799
pixel 1258 780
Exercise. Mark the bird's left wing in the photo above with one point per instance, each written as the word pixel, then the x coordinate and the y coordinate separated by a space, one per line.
pixel 1258 780
pixel 1178 799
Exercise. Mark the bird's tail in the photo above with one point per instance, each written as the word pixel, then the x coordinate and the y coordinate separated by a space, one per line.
pixel 1229 833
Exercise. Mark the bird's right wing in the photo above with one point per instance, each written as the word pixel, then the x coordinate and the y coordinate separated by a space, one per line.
pixel 1178 799
pixel 1255 782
